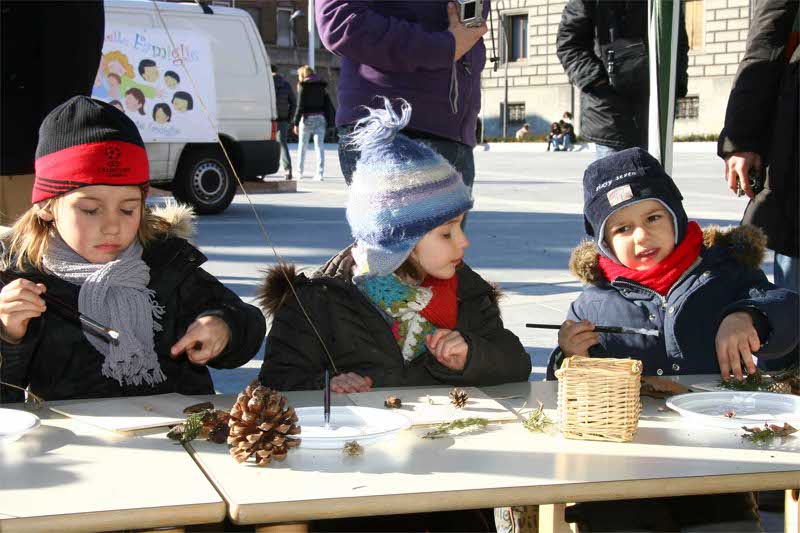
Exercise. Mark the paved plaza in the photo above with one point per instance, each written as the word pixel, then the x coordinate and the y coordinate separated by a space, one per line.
pixel 526 220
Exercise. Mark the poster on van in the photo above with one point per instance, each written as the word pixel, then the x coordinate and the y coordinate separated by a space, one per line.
pixel 143 75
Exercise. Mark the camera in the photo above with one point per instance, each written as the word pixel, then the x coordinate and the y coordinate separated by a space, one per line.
pixel 470 12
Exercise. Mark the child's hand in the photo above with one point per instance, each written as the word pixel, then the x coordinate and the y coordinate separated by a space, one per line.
pixel 736 341
pixel 575 338
pixel 449 348
pixel 205 339
pixel 19 303
pixel 350 382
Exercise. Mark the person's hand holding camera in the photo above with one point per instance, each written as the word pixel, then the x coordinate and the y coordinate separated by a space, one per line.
pixel 465 37
pixel 738 167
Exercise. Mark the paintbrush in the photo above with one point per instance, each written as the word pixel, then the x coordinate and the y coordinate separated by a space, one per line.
pixel 68 311
pixel 327 399
pixel 604 329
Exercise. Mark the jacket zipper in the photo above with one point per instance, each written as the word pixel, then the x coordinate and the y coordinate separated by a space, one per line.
pixel 467 96
pixel 640 287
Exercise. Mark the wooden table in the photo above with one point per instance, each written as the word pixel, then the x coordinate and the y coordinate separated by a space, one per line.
pixel 506 465
pixel 70 476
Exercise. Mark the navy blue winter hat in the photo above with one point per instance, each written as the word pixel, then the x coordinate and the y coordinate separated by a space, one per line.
pixel 622 179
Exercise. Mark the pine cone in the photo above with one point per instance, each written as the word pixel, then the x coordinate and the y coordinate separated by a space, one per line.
pixel 393 402
pixel 459 397
pixel 261 424
pixel 780 387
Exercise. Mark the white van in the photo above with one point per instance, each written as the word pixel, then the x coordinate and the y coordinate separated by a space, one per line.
pixel 197 171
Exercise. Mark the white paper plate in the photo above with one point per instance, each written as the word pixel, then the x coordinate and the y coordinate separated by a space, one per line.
pixel 750 408
pixel 348 423
pixel 14 424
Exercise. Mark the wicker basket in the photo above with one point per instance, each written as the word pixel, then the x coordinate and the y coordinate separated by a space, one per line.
pixel 598 399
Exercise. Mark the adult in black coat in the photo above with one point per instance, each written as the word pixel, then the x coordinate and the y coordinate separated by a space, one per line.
pixel 361 341
pixel 50 53
pixel 761 132
pixel 614 111
pixel 285 104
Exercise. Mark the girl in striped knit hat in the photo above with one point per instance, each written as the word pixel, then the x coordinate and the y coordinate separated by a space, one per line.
pixel 90 241
pixel 399 307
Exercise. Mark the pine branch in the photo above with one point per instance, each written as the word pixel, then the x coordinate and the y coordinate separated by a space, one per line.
pixel 462 425
pixel 538 421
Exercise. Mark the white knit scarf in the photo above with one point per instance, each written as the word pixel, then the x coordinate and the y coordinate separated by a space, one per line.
pixel 116 295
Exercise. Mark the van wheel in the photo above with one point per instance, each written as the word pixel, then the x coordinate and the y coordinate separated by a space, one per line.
pixel 204 180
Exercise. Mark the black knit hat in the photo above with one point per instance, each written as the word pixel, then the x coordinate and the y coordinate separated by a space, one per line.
pixel 625 178
pixel 86 142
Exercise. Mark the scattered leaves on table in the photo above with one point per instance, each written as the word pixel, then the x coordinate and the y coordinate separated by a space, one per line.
pixel 148 407
pixel 393 402
pixel 353 449
pixel 537 420
pixel 459 398
pixel 768 432
pixel 198 408
pixel 655 387
pixel 430 400
pixel 210 424
pixel 457 427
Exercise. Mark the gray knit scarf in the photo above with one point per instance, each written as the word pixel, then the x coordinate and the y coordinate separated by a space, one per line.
pixel 116 295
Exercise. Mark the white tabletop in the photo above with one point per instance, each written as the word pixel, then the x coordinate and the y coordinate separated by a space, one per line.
pixel 70 476
pixel 506 465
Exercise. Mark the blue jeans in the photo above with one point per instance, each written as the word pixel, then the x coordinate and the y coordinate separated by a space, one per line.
pixel 457 154
pixel 280 136
pixel 313 125
pixel 603 151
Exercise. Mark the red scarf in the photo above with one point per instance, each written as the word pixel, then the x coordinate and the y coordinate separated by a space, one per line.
pixel 662 276
pixel 442 310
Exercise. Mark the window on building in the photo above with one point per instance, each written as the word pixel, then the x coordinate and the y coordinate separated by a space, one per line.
pixel 517 35
pixel 254 12
pixel 688 107
pixel 285 33
pixel 695 16
pixel 516 113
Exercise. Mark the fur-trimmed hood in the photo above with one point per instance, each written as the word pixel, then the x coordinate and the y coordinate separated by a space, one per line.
pixel 174 220
pixel 746 244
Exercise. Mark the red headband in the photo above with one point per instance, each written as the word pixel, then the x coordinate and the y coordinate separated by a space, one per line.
pixel 100 163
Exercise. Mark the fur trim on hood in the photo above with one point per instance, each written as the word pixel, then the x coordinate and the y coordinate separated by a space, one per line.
pixel 174 220
pixel 747 245
pixel 276 287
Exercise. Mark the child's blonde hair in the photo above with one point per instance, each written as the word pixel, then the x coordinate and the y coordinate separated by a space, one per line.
pixel 304 72
pixel 28 238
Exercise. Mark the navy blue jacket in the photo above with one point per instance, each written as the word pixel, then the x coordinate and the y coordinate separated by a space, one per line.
pixel 724 279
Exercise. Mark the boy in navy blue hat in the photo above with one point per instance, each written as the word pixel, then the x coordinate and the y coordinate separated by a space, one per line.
pixel 649 267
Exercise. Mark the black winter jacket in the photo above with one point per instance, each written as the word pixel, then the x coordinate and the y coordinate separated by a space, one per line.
pixel 285 102
pixel 725 279
pixel 312 97
pixel 58 363
pixel 763 117
pixel 607 117
pixel 360 340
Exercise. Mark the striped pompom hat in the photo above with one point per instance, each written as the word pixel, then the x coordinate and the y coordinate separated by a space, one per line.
pixel 86 142
pixel 401 190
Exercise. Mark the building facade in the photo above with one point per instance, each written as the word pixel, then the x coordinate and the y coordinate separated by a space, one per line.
pixel 538 91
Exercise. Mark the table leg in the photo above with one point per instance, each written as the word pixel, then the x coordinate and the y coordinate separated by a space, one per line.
pixel 293 527
pixel 791 513
pixel 551 519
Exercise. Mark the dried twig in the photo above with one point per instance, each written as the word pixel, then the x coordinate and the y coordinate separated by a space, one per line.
pixel 462 425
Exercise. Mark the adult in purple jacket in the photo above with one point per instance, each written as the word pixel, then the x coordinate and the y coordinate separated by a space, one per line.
pixel 415 50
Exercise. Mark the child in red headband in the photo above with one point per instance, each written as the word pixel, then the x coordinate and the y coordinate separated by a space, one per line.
pixel 91 241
